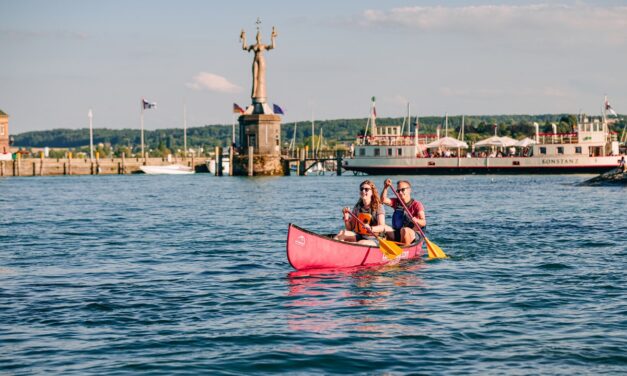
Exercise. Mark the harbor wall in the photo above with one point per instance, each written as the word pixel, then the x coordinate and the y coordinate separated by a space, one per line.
pixel 108 166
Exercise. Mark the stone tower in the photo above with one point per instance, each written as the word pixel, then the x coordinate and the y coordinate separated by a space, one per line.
pixel 4 133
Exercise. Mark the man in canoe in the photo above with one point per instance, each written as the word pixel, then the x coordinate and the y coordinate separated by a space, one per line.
pixel 403 224
pixel 370 212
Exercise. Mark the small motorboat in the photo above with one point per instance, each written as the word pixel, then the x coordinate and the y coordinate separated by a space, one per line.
pixel 167 169
pixel 308 250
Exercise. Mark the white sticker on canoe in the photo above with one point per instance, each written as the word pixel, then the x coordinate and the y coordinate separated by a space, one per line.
pixel 300 241
pixel 403 256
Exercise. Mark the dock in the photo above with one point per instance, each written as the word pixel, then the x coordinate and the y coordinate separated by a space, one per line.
pixel 100 166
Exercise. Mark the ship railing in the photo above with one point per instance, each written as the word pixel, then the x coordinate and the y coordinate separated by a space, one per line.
pixel 558 138
pixel 396 140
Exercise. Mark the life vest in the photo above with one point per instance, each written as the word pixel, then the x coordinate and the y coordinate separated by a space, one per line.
pixel 366 218
pixel 399 218
pixel 365 215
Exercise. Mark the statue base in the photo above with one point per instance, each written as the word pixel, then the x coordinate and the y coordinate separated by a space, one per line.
pixel 263 165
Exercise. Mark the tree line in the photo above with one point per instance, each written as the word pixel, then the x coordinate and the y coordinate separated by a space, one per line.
pixel 335 132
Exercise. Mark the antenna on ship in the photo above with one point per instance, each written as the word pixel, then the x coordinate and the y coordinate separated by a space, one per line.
pixel 408 119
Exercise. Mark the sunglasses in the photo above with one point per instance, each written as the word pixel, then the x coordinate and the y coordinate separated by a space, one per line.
pixel 403 190
pixel 364 189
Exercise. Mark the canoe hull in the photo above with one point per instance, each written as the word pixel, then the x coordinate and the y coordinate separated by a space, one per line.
pixel 308 250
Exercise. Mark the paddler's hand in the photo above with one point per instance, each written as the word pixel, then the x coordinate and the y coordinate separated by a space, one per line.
pixel 345 212
pixel 387 183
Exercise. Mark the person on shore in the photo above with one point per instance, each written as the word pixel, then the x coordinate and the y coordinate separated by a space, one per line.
pixel 370 211
pixel 403 225
pixel 622 167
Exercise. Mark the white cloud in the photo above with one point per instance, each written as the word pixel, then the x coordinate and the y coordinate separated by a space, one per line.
pixel 609 24
pixel 212 82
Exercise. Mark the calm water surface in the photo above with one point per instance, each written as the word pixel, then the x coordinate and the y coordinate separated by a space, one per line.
pixel 188 274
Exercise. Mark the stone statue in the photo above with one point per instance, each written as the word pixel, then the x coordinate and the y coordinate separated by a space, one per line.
pixel 259 64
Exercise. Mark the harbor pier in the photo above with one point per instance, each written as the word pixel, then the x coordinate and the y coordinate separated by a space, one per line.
pixel 86 166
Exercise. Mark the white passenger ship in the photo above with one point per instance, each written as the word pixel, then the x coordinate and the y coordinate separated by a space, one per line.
pixel 591 148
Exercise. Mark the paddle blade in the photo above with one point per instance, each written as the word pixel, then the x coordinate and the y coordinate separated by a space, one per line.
pixel 389 249
pixel 434 251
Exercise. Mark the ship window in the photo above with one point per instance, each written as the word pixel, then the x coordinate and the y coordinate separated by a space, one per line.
pixel 399 152
pixel 578 149
pixel 377 152
pixel 542 150
pixel 516 163
pixel 560 150
pixel 389 152
pixel 362 152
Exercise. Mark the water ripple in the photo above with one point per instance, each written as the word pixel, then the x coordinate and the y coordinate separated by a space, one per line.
pixel 186 275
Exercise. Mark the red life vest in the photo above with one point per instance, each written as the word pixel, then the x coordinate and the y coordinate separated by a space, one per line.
pixel 365 215
pixel 366 218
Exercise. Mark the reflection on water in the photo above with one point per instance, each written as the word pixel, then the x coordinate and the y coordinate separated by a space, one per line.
pixel 323 301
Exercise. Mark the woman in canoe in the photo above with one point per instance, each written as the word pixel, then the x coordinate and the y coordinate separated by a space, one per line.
pixel 371 213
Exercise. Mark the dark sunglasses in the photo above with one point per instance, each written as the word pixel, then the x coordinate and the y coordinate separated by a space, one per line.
pixel 403 190
pixel 365 189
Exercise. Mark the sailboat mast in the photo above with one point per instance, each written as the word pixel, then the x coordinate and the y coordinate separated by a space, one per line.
pixel 184 129
pixel 319 142
pixel 313 129
pixel 293 143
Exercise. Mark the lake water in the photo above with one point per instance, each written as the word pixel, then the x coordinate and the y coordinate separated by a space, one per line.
pixel 188 274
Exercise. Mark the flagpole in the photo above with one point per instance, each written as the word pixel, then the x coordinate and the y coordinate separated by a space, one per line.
pixel 142 131
pixel 605 109
pixel 312 133
pixel 90 115
pixel 233 131
pixel 184 130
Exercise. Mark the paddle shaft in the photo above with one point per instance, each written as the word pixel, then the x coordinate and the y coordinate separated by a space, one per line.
pixel 407 210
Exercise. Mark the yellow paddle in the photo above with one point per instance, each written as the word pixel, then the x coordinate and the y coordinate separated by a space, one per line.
pixel 388 248
pixel 432 249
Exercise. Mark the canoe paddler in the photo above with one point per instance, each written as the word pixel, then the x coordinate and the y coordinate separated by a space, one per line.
pixel 403 225
pixel 371 213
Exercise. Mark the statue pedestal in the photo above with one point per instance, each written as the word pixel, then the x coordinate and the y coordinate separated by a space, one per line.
pixel 262 132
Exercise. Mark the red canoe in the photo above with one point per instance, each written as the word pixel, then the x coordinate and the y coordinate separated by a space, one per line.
pixel 307 250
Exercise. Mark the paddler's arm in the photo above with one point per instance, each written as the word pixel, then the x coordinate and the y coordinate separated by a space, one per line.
pixel 421 220
pixel 379 228
pixel 384 193
pixel 348 220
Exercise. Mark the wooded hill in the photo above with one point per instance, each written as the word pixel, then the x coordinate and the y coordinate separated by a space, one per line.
pixel 334 132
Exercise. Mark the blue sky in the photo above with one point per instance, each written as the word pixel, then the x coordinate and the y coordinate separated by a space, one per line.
pixel 61 58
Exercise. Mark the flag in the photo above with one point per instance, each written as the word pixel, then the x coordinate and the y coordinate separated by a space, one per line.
pixel 374 108
pixel 277 110
pixel 609 108
pixel 237 109
pixel 148 105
